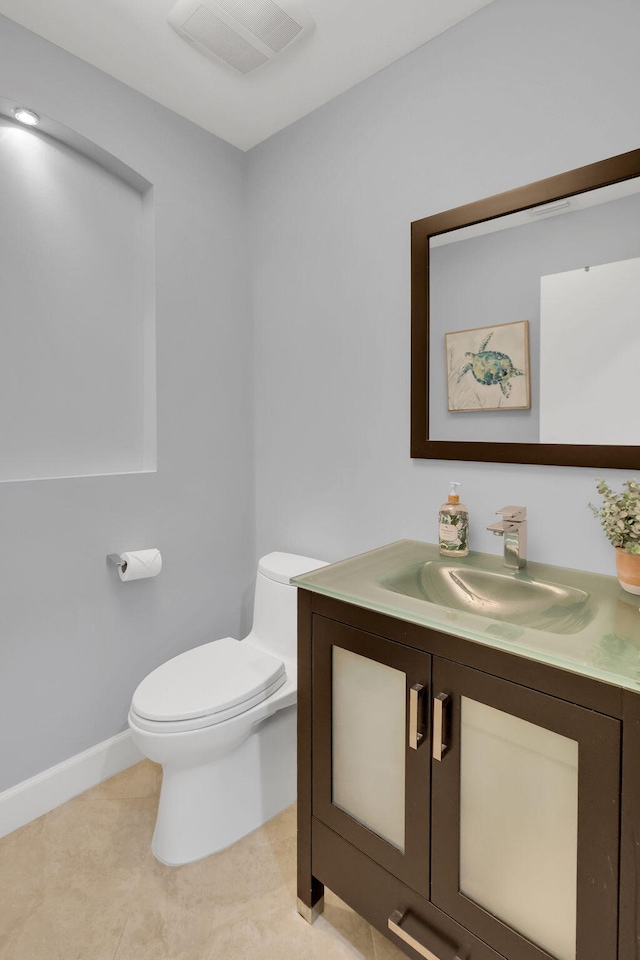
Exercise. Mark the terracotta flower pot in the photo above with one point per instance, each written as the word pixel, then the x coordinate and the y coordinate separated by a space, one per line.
pixel 628 568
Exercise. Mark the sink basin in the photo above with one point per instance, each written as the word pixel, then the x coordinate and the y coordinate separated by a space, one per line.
pixel 509 597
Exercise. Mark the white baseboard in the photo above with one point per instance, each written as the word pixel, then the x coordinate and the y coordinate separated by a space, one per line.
pixel 31 798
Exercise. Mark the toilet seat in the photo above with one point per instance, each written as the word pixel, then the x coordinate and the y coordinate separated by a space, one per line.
pixel 205 686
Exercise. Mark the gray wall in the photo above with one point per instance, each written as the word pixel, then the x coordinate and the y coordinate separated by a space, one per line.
pixel 518 92
pixel 74 641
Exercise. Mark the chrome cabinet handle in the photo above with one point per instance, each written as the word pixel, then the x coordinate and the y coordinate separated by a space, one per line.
pixel 416 736
pixel 439 748
pixel 393 924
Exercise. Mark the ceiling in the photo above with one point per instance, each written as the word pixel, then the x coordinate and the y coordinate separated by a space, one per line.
pixel 132 41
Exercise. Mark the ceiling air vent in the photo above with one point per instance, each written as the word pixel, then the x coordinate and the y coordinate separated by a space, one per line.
pixel 243 33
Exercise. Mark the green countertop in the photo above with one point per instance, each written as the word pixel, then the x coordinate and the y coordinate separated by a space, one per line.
pixel 600 640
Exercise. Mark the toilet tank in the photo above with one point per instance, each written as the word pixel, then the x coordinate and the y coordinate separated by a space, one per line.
pixel 275 608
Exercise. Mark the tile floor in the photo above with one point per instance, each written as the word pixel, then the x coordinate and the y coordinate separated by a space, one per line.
pixel 81 883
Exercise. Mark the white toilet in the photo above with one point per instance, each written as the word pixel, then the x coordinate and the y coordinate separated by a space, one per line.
pixel 221 720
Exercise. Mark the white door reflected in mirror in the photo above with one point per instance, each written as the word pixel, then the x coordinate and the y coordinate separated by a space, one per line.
pixel 589 385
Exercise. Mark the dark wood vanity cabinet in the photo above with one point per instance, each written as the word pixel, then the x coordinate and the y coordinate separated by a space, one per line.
pixel 468 802
pixel 404 850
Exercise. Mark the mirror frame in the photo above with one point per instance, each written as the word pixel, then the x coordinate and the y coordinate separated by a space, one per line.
pixel 625 166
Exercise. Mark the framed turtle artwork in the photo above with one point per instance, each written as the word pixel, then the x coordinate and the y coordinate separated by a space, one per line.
pixel 488 368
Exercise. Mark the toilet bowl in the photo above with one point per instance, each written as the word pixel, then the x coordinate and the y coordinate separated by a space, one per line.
pixel 221 719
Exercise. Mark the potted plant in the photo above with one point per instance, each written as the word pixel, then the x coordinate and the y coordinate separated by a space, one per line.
pixel 619 515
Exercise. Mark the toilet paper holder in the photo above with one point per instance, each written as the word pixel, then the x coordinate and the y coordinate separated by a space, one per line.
pixel 136 564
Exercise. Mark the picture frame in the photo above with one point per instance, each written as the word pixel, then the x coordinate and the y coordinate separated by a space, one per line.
pixel 488 368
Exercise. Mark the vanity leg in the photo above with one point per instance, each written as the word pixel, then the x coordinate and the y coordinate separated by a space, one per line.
pixel 311 914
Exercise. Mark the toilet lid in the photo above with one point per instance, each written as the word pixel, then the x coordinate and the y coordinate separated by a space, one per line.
pixel 213 678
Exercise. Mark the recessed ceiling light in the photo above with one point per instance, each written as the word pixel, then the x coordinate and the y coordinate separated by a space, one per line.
pixel 26 116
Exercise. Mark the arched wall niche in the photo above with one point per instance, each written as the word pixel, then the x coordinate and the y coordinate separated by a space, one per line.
pixel 77 329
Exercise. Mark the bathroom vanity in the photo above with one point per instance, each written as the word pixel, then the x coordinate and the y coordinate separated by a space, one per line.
pixel 469 754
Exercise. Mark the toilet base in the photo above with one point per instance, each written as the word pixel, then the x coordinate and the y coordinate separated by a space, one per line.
pixel 205 808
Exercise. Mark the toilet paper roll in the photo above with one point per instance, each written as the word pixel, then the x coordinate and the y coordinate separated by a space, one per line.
pixel 140 564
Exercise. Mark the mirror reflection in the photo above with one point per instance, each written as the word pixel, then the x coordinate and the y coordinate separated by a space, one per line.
pixel 534 324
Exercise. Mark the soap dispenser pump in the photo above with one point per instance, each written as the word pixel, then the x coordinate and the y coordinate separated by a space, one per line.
pixel 453 525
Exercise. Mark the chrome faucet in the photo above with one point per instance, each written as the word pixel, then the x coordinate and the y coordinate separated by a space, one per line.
pixel 513 528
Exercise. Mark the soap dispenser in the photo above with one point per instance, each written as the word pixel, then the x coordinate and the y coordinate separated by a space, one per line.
pixel 453 525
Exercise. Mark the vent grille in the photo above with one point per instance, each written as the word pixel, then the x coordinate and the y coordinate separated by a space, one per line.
pixel 223 41
pixel 243 33
pixel 265 20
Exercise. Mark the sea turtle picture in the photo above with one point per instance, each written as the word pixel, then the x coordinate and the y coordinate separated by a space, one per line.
pixel 488 368
pixel 491 366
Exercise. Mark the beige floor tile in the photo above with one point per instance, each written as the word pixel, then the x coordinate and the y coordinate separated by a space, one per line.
pixel 242 874
pixel 141 780
pixel 282 827
pixel 282 934
pixel 76 926
pixel 23 859
pixel 280 833
pixel 176 908
pixel 164 930
pixel 88 859
pixel 99 838
pixel 81 883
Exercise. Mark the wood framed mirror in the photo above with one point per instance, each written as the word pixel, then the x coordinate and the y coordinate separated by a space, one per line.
pixel 525 314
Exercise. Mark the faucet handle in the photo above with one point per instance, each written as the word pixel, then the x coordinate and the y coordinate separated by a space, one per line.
pixel 497 529
pixel 514 514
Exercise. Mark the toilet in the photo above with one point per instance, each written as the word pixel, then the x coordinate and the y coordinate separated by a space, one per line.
pixel 221 719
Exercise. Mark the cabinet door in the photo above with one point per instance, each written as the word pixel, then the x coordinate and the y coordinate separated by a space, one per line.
pixel 371 755
pixel 525 818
